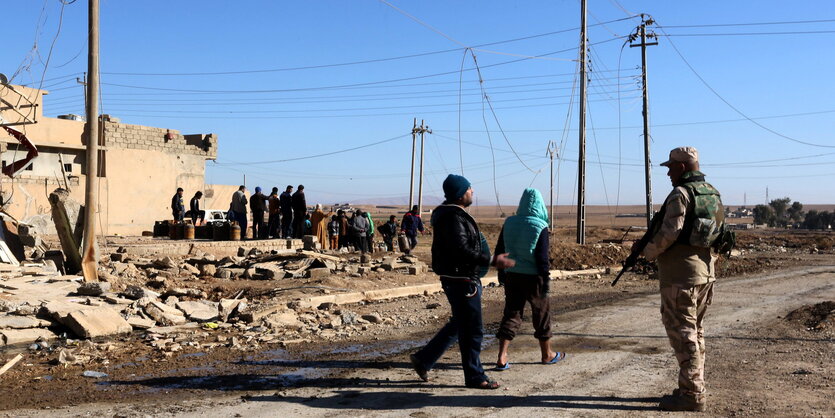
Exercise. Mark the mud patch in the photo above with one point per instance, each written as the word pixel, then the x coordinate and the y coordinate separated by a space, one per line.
pixel 589 344
pixel 816 318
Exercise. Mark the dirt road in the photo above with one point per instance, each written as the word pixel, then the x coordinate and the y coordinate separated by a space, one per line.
pixel 618 364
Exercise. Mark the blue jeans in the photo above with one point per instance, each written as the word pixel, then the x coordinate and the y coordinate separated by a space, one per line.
pixel 465 326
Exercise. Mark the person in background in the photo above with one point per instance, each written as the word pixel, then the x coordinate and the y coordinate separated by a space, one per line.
pixel 238 208
pixel 274 208
pixel 333 232
pixel 410 225
pixel 319 219
pixel 194 207
pixel 177 208
pixel 525 237
pixel 371 229
pixel 258 205
pixel 307 225
pixel 286 203
pixel 388 231
pixel 344 236
pixel 299 212
pixel 359 229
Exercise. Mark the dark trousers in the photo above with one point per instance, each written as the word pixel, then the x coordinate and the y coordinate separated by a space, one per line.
pixel 389 240
pixel 298 224
pixel 412 243
pixel 240 217
pixel 361 243
pixel 370 242
pixel 464 298
pixel 272 225
pixel 200 214
pixel 520 289
pixel 258 230
pixel 178 215
pixel 287 225
pixel 343 241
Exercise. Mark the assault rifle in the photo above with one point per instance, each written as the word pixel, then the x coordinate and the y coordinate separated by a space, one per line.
pixel 640 245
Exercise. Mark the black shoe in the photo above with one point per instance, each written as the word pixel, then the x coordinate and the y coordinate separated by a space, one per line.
pixel 422 373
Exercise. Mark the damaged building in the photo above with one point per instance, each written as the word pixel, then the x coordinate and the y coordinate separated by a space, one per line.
pixel 140 167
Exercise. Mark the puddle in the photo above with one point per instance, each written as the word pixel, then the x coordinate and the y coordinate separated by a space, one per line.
pixel 198 354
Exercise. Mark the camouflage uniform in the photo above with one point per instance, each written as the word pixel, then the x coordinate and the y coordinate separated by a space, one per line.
pixel 686 274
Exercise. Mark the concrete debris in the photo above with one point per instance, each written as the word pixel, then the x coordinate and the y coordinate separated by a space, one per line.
pixel 182 292
pixel 208 270
pixel 96 322
pixel 373 318
pixel 136 293
pixel 164 315
pixel 25 336
pixel 200 311
pixel 138 322
pixel 21 322
pixel 165 263
pixel 93 288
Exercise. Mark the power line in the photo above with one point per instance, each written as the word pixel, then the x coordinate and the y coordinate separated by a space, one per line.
pixel 807 32
pixel 675 48
pixel 750 24
pixel 307 157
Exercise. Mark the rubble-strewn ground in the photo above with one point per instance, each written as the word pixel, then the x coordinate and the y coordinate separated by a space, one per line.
pixel 228 353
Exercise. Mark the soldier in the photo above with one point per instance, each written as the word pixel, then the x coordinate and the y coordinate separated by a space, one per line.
pixel 692 216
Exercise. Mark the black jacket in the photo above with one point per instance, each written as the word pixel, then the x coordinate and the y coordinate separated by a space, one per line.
pixel 257 203
pixel 299 203
pixel 456 243
pixel 286 203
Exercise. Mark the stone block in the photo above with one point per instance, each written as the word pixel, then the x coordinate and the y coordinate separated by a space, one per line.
pixel 228 307
pixel 96 322
pixel 286 318
pixel 138 322
pixel 200 311
pixel 21 322
pixel 25 336
pixel 319 273
pixel 93 288
pixel 164 315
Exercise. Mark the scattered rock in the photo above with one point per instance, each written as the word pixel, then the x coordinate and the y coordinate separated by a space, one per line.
pixel 138 322
pixel 165 263
pixel 327 306
pixel 136 293
pixel 433 305
pixel 283 319
pixel 190 269
pixel 93 288
pixel 319 273
pixel 373 318
pixel 21 322
pixel 25 336
pixel 164 314
pixel 184 292
pixel 208 270
pixel 96 322
pixel 200 311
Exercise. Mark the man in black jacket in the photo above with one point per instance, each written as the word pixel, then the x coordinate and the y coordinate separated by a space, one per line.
pixel 177 208
pixel 299 210
pixel 460 255
pixel 286 203
pixel 258 205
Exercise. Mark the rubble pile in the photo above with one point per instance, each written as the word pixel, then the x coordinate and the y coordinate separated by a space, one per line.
pixel 153 296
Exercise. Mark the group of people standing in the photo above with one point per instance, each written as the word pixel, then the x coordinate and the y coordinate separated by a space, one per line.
pixel 685 255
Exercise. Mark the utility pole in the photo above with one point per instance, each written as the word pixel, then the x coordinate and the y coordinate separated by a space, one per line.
pixel 552 150
pixel 642 33
pixel 412 175
pixel 581 161
pixel 422 130
pixel 89 264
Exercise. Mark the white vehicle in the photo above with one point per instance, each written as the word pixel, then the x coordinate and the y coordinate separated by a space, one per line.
pixel 212 216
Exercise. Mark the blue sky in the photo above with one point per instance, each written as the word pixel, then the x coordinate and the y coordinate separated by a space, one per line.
pixel 262 75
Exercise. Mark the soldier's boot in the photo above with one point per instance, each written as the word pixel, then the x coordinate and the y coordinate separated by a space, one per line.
pixel 683 402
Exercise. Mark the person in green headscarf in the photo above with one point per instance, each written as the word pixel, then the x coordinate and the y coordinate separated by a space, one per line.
pixel 524 237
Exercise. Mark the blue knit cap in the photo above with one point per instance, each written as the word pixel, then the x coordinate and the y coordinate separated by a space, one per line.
pixel 455 186
pixel 257 189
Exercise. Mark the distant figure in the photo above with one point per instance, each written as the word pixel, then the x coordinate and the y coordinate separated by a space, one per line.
pixel 333 232
pixel 524 237
pixel 177 208
pixel 286 203
pixel 308 226
pixel 194 207
pixel 299 210
pixel 319 219
pixel 274 208
pixel 410 225
pixel 258 205
pixel 359 229
pixel 371 230
pixel 388 231
pixel 344 233
pixel 237 209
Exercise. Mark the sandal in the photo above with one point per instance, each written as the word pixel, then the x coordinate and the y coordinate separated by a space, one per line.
pixel 487 384
pixel 557 357
pixel 502 367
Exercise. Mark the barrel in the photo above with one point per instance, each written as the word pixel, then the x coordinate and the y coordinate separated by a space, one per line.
pixel 235 232
pixel 188 231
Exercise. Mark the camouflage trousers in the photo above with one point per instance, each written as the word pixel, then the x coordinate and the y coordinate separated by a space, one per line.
pixel 683 309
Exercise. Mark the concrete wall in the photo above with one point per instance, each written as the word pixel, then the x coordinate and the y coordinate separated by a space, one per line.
pixel 141 167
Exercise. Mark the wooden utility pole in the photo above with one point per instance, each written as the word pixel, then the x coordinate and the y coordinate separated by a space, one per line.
pixel 581 161
pixel 412 175
pixel 89 264
pixel 422 130
pixel 552 150
pixel 642 33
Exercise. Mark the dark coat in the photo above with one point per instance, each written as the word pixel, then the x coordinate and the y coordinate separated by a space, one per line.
pixel 286 203
pixel 456 243
pixel 299 203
